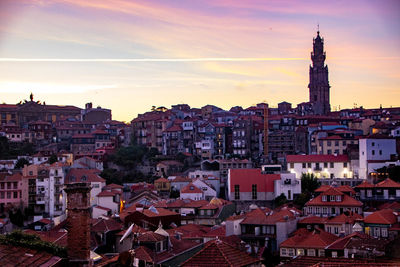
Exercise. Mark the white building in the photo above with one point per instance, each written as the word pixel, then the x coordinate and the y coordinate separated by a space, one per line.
pixel 322 166
pixel 288 185
pixel 191 192
pixel 375 150
pixel 395 132
pixel 209 192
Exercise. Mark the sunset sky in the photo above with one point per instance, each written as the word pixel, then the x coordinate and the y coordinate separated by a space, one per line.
pixel 130 55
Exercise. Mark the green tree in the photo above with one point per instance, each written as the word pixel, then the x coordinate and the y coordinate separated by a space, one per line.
pixel 174 193
pixel 21 163
pixel 309 183
pixel 53 158
pixel 280 200
pixel 4 147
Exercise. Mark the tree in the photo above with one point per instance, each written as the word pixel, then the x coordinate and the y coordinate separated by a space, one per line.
pixel 53 158
pixel 280 200
pixel 309 183
pixel 21 163
pixel 392 172
pixel 174 193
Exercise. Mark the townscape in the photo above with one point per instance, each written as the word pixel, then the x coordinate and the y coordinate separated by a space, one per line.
pixel 185 186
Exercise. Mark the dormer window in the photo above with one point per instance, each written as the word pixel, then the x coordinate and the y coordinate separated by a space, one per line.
pixel 324 198
pixel 338 198
pixel 191 187
pixel 332 198
pixel 84 178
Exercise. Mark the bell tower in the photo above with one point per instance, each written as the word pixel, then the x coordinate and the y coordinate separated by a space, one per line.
pixel 319 83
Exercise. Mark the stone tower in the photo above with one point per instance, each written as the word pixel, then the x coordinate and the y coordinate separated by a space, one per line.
pixel 78 221
pixel 319 83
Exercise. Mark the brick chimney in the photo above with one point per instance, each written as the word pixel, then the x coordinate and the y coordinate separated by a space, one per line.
pixel 78 221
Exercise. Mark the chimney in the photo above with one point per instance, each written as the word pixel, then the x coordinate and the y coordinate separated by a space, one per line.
pixel 78 221
pixel 88 105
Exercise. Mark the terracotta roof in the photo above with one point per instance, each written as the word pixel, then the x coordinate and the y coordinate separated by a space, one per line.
pixel 303 238
pixel 365 184
pixel 217 232
pixel 385 216
pixel 108 193
pixel 341 243
pixel 344 218
pixel 83 175
pixel 151 237
pixel 388 183
pixel 332 191
pixel 103 225
pixel 219 253
pixel 191 189
pixel 316 158
pixel 347 201
pixel 161 180
pixel 20 256
pixel 265 217
pixel 245 178
pixel 313 220
pixel 144 253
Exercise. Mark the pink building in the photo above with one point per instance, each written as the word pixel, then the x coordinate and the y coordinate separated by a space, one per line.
pixel 11 187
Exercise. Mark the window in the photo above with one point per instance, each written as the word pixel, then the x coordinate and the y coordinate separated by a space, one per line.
pixel 344 164
pixel 384 232
pixel 334 254
pixel 332 165
pixel 336 230
pixel 380 152
pixel 254 191
pixel 325 164
pixel 324 210
pixel 291 252
pixel 329 152
pixel 237 192
pixel 369 193
pixel 373 152
pixel 283 252
pixel 324 198
pixel 373 144
pixel 338 198
pixel 15 184
pixel 329 143
pixel 309 164
pixel 321 252
pixel 292 165
pixel 300 252
pixel 332 198
pixel 336 143
pixel 304 165
pixel 311 252
pixel 2 195
pixel 15 194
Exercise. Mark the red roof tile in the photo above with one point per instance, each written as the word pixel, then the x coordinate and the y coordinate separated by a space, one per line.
pixel 303 238
pixel 385 216
pixel 191 188
pixel 365 184
pixel 316 158
pixel 341 243
pixel 347 201
pixel 388 183
pixel 313 220
pixel 344 218
pixel 219 253
pixel 83 175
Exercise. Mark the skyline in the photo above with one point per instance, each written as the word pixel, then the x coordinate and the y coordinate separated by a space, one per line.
pixel 129 56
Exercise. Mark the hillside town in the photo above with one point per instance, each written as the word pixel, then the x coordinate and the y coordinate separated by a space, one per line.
pixel 201 186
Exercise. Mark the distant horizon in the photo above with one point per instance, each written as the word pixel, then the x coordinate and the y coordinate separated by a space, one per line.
pixel 129 56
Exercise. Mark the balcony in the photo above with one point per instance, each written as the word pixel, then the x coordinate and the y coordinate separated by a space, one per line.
pixel 380 197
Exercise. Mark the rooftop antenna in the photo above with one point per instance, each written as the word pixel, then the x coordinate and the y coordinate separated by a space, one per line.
pixel 318 28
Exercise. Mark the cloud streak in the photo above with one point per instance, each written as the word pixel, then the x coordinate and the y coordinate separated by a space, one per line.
pixel 247 59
